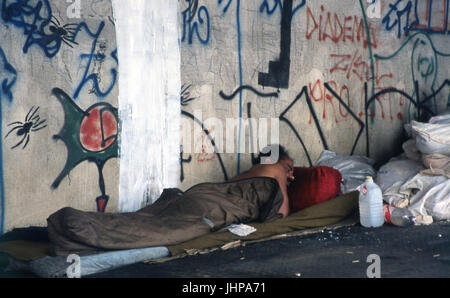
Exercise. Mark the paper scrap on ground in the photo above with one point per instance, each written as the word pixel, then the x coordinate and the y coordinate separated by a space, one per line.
pixel 241 229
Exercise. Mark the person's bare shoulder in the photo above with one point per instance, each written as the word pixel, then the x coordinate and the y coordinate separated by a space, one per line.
pixel 277 172
pixel 262 170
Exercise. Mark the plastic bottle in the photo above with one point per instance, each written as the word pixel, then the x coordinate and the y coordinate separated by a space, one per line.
pixel 370 204
pixel 401 217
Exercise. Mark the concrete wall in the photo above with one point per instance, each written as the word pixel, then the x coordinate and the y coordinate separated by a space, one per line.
pixel 309 68
pixel 311 65
pixel 59 71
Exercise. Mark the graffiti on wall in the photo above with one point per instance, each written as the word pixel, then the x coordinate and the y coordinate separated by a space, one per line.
pixel 185 96
pixel 182 162
pixel 94 60
pixel 207 137
pixel 42 29
pixel 406 16
pixel 324 25
pixel 67 32
pixel 196 23
pixel 362 87
pixel 279 70
pixel 424 66
pixel 8 77
pixel 89 135
pixel 34 18
pixel 22 130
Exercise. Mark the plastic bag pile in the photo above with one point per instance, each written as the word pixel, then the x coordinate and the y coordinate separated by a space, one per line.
pixel 419 179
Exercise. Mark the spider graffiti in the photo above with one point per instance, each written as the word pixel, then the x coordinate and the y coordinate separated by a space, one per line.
pixel 31 123
pixel 186 95
pixel 66 32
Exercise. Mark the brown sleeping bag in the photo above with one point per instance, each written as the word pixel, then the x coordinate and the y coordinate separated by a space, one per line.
pixel 174 218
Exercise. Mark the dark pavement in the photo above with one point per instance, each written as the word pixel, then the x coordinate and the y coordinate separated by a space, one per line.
pixel 416 251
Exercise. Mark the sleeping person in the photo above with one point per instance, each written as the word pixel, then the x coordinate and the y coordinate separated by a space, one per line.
pixel 259 194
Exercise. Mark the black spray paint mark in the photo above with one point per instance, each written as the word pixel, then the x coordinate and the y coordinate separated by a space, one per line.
pixel 278 75
pixel 249 116
pixel 66 31
pixel 282 117
pixel 361 124
pixel 182 161
pixel 185 97
pixel 423 111
pixel 211 139
pixel 246 87
pixel 31 123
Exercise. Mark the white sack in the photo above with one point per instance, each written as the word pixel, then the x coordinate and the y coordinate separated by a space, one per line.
pixel 428 196
pixel 436 164
pixel 354 169
pixel 432 138
pixel 440 119
pixel 392 176
pixel 411 151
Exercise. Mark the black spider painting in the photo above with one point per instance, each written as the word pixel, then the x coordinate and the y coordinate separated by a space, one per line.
pixel 186 95
pixel 66 32
pixel 31 123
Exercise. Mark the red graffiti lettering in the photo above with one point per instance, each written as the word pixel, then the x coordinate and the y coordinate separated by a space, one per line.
pixel 387 97
pixel 318 93
pixel 331 26
pixel 432 15
pixel 207 151
pixel 354 64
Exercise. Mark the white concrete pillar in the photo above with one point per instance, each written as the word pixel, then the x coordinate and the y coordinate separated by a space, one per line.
pixel 149 99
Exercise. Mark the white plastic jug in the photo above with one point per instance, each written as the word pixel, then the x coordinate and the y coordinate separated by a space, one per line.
pixel 370 204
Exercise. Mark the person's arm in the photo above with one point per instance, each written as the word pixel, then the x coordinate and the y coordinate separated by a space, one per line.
pixel 284 209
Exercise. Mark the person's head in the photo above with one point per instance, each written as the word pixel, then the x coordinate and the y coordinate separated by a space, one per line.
pixel 276 154
pixel 272 154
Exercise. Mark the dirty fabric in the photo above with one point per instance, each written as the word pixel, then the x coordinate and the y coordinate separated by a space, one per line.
pixel 174 218
pixel 320 215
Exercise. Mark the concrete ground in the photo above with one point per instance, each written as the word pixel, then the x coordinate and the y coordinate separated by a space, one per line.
pixel 416 251
pixel 354 252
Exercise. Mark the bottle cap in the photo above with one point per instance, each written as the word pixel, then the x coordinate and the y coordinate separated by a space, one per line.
pixel 368 177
